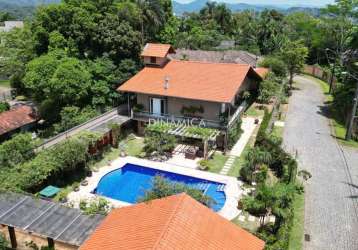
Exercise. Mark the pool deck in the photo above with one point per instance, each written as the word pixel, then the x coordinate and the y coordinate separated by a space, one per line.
pixel 233 192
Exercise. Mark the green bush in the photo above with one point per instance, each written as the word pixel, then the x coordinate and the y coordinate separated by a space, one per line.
pixel 96 206
pixel 17 150
pixel 163 188
pixel 203 164
pixel 261 134
pixel 276 65
pixel 234 133
pixel 261 175
pixel 158 140
pixel 3 242
pixel 72 116
pixel 4 106
pixel 269 88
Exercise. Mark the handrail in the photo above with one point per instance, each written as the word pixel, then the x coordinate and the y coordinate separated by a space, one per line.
pixel 76 127
pixel 237 113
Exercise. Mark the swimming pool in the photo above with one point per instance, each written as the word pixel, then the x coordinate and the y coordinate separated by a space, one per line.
pixel 130 182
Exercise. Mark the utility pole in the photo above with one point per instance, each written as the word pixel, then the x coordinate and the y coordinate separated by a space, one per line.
pixel 353 114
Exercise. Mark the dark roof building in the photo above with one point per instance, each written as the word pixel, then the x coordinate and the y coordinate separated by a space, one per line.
pixel 227 56
pixel 46 219
pixel 17 118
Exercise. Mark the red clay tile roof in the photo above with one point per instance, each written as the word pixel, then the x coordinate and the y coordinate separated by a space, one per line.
pixel 157 50
pixel 262 71
pixel 216 82
pixel 15 118
pixel 174 222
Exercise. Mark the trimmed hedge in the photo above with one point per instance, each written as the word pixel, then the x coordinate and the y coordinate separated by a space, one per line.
pixel 234 133
pixel 261 134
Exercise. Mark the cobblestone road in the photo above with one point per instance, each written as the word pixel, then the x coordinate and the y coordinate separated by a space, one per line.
pixel 331 199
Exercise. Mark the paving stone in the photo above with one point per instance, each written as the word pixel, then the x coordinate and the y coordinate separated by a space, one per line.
pixel 251 218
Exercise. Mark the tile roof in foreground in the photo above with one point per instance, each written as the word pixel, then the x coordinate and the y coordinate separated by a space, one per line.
pixel 16 118
pixel 215 82
pixel 174 222
pixel 157 50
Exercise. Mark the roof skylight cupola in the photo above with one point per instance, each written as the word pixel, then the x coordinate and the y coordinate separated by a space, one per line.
pixel 156 54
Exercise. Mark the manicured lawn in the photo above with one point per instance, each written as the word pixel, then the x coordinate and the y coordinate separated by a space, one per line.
pixel 216 163
pixel 5 83
pixel 109 155
pixel 133 146
pixel 235 168
pixel 297 230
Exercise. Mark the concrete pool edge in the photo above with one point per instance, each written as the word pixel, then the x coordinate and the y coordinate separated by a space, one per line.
pixel 232 191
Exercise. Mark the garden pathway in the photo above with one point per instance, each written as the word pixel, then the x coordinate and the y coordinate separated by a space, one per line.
pixel 248 126
pixel 331 218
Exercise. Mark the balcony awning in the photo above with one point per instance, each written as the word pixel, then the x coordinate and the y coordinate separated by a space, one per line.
pixel 193 132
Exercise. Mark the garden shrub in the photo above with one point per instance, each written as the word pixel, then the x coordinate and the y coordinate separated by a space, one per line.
pixel 203 164
pixel 264 125
pixel 234 133
pixel 276 65
pixel 3 242
pixel 72 116
pixel 4 106
pixel 158 140
pixel 261 175
pixel 17 150
pixel 95 206
pixel 268 89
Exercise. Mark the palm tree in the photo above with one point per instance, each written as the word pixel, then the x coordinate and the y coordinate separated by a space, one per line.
pixel 255 157
pixel 222 16
pixel 208 10
pixel 151 15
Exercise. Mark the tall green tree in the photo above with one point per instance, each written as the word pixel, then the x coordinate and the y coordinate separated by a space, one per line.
pixel 16 50
pixel 163 188
pixel 271 31
pixel 152 17
pixel 294 54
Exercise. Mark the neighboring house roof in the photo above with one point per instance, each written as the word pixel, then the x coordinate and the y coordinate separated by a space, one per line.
pixel 215 82
pixel 16 118
pixel 262 72
pixel 227 56
pixel 9 25
pixel 174 222
pixel 157 50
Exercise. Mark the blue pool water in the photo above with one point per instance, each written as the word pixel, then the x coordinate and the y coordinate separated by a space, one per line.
pixel 130 182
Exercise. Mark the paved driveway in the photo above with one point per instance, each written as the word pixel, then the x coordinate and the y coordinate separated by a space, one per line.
pixel 331 211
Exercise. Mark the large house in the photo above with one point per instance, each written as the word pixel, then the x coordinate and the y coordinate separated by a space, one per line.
pixel 174 222
pixel 208 94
